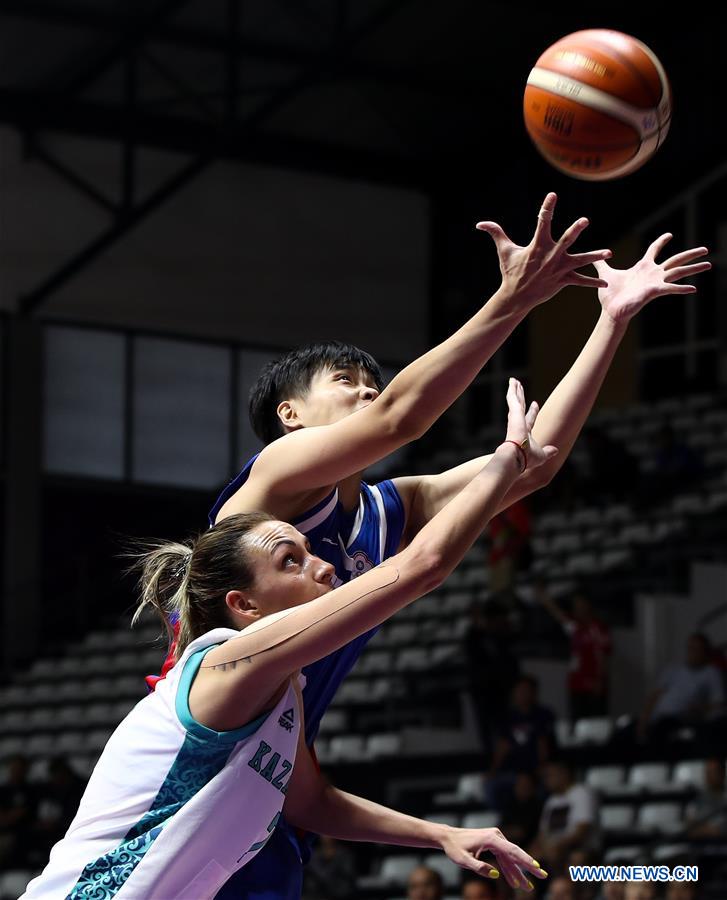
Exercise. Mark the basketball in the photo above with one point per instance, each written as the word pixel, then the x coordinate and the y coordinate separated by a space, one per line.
pixel 597 104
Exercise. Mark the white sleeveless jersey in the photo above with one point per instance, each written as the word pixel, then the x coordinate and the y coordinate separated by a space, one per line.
pixel 173 808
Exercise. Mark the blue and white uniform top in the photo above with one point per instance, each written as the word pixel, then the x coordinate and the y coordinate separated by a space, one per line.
pixel 174 808
pixel 353 542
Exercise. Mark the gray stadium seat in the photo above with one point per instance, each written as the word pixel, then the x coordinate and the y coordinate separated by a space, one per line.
pixel 616 817
pixel 689 773
pixel 396 869
pixel 607 779
pixel 665 818
pixel 450 872
pixel 487 818
pixel 649 776
pixel 592 731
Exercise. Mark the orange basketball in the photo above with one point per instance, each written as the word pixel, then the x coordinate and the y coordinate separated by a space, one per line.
pixel 597 104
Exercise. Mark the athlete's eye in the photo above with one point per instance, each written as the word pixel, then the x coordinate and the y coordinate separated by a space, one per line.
pixel 343 375
pixel 289 559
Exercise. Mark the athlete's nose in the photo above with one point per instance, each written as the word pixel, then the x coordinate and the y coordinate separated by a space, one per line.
pixel 324 572
pixel 368 393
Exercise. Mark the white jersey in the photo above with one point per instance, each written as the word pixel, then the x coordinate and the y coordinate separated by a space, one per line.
pixel 173 808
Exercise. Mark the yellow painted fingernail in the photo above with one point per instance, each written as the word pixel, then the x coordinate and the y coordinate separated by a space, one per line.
pixel 494 873
pixel 543 872
pixel 535 862
pixel 530 886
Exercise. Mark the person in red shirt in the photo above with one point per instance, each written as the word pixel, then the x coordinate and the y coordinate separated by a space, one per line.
pixel 590 648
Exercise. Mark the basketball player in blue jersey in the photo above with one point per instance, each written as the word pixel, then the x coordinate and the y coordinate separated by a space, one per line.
pixel 315 411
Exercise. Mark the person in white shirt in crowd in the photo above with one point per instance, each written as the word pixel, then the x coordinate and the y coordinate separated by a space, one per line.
pixel 569 819
pixel 687 694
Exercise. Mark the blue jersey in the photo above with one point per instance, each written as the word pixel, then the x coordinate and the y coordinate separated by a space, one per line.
pixel 353 542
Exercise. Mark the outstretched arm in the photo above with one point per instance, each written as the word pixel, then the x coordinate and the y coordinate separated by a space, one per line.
pixel 563 416
pixel 314 805
pixel 226 694
pixel 318 457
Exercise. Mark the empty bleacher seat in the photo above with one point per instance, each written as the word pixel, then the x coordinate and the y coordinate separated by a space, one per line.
pixel 383 745
pixel 396 869
pixel 470 787
pixel 444 818
pixel 616 817
pixel 450 872
pixel 334 720
pixel 623 854
pixel 40 745
pixel 665 818
pixel 374 661
pixel 412 659
pixel 14 882
pixel 487 818
pixel 70 742
pixel 676 852
pixel 607 779
pixel 564 733
pixel 356 690
pixel 592 731
pixel 649 776
pixel 689 773
pixel 347 747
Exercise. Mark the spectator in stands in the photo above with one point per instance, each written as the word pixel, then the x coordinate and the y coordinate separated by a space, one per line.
pixel 478 889
pixel 569 819
pixel 425 884
pixel 687 694
pixel 612 890
pixel 492 667
pixel 640 890
pixel 611 472
pixel 590 648
pixel 57 802
pixel 509 549
pixel 331 873
pixel 17 811
pixel 524 743
pixel 707 814
pixel 561 888
pixel 521 815
pixel 681 890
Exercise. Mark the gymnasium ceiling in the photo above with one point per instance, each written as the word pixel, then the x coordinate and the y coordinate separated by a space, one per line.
pixel 413 93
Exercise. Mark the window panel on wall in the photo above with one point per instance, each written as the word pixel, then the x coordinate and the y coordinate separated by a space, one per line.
pixel 181 412
pixel 250 363
pixel 83 397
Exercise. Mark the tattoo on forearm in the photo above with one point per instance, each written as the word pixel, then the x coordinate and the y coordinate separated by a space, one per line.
pixel 226 666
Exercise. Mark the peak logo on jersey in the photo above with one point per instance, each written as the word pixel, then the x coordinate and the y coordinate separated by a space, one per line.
pixel 287 720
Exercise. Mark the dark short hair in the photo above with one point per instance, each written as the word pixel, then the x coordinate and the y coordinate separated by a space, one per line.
pixel 291 375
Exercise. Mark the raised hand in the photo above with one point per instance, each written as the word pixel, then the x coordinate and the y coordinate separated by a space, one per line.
pixel 520 426
pixel 537 272
pixel 464 845
pixel 629 290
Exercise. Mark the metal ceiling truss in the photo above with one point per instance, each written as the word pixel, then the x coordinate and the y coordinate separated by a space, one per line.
pixel 209 136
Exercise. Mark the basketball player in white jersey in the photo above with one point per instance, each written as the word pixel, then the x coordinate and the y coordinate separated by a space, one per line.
pixel 193 782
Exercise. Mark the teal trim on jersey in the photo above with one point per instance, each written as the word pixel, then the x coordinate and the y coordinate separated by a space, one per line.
pixel 191 667
pixel 203 755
